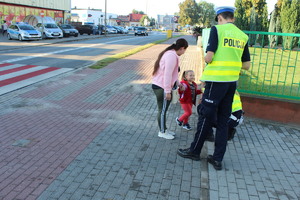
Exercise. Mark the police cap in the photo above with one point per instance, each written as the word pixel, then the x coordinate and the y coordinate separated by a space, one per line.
pixel 222 9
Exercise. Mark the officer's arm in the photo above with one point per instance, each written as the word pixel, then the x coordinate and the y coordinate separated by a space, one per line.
pixel 246 65
pixel 246 58
pixel 212 45
pixel 209 56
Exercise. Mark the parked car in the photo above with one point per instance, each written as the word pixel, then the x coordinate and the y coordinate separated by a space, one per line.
pixel 101 29
pixel 141 31
pixel 88 29
pixel 121 29
pixel 110 29
pixel 23 31
pixel 68 30
pixel 49 30
pixel 85 29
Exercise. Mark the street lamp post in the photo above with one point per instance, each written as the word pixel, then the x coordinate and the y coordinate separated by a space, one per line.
pixel 105 18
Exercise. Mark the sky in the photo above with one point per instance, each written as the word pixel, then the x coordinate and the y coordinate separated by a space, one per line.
pixel 151 7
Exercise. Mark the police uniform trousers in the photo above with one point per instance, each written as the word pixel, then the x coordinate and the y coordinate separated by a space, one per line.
pixel 216 101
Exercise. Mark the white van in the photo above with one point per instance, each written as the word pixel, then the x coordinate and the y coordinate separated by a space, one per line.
pixel 49 30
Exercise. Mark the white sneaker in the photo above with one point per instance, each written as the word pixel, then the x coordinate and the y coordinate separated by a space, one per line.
pixel 165 135
pixel 170 132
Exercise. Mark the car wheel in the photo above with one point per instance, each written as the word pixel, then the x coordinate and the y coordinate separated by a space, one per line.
pixel 44 36
pixel 76 35
pixel 20 37
pixel 8 36
pixel 135 34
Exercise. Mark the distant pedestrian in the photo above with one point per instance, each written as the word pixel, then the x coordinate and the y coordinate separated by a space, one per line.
pixel 165 77
pixel 227 54
pixel 187 98
pixel 4 28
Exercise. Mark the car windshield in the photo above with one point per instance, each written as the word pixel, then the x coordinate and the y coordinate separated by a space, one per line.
pixel 66 26
pixel 50 26
pixel 141 29
pixel 25 27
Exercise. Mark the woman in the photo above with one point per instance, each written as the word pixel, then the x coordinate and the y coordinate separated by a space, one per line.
pixel 165 77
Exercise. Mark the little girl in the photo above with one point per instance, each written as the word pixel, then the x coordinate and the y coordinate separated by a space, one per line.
pixel 187 98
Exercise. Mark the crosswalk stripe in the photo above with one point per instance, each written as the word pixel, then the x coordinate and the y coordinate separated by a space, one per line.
pixel 11 66
pixel 20 73
pixel 5 64
pixel 26 76
pixel 15 76
pixel 16 69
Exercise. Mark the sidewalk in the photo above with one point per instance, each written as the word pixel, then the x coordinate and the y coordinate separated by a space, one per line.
pixel 92 134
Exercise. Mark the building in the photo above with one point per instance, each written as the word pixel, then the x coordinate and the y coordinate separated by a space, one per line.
pixel 93 16
pixel 134 19
pixel 16 10
pixel 167 21
pixel 124 20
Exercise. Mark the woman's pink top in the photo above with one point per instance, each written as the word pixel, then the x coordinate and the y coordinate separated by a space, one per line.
pixel 167 73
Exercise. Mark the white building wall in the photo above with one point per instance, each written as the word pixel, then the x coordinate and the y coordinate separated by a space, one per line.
pixel 52 4
pixel 97 17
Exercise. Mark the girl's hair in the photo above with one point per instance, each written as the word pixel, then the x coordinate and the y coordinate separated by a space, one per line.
pixel 176 46
pixel 185 73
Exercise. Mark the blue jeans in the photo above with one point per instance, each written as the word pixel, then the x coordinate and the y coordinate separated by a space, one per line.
pixel 216 101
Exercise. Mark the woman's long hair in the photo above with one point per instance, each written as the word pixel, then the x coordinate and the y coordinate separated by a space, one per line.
pixel 176 46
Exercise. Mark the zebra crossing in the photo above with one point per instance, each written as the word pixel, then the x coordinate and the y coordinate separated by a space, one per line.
pixel 15 76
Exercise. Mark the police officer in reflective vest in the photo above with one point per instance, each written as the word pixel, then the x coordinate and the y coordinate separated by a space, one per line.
pixel 227 54
pixel 236 118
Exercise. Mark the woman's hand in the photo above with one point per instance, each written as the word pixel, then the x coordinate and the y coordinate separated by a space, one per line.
pixel 168 96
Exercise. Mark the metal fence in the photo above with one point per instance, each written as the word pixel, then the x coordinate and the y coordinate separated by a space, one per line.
pixel 275 65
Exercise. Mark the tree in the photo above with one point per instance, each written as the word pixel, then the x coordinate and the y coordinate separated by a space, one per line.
pixel 188 14
pixel 262 14
pixel 152 22
pixel 243 14
pixel 290 21
pixel 272 28
pixel 206 14
pixel 241 18
pixel 253 26
pixel 134 11
pixel 145 20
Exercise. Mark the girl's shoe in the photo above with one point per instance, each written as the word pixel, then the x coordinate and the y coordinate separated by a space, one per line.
pixel 179 123
pixel 187 127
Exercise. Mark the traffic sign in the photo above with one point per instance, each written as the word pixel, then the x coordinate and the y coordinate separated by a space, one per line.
pixel 42 13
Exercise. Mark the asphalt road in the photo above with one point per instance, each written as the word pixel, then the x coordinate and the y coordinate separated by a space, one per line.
pixel 70 54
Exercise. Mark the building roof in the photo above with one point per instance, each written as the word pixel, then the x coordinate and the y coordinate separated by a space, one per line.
pixel 135 17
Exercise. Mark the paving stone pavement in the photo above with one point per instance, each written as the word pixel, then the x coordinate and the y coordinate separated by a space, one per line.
pixel 92 134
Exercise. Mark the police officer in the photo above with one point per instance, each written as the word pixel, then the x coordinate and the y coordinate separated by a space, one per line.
pixel 236 118
pixel 227 53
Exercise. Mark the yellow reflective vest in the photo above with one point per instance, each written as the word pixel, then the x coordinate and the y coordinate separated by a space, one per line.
pixel 237 103
pixel 226 63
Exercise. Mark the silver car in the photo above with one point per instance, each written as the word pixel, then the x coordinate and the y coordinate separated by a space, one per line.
pixel 23 31
pixel 49 30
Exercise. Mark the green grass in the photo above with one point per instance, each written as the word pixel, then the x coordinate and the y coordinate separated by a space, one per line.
pixel 106 61
pixel 273 72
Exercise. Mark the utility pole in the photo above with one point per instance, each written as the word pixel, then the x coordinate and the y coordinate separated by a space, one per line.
pixel 105 17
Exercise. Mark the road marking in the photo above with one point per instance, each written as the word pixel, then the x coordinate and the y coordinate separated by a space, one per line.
pixel 61 51
pixel 16 76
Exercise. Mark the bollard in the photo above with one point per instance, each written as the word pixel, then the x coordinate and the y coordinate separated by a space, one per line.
pixel 169 33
